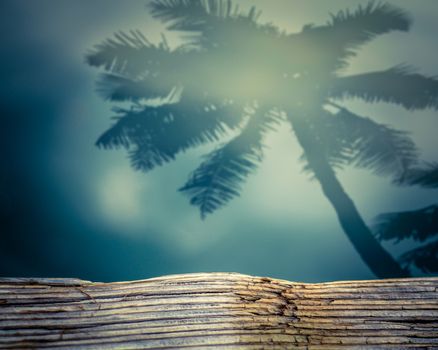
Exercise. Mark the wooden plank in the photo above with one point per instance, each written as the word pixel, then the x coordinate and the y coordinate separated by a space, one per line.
pixel 221 310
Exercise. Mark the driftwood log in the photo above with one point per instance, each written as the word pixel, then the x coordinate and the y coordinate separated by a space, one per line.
pixel 223 310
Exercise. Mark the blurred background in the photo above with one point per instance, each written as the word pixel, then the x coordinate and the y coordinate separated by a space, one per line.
pixel 69 209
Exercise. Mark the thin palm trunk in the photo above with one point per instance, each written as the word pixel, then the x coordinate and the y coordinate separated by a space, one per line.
pixel 380 262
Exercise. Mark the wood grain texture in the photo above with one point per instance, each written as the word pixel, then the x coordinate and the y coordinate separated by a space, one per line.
pixel 222 310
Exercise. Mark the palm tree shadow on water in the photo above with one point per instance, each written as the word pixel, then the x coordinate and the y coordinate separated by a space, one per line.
pixel 237 78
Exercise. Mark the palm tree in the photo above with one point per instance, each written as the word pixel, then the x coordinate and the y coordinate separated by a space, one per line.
pixel 420 225
pixel 238 79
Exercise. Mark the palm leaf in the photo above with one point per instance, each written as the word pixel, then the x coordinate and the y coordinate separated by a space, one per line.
pixel 118 88
pixel 145 156
pixel 424 177
pixel 155 135
pixel 219 26
pixel 418 224
pixel 346 31
pixel 398 85
pixel 196 15
pixel 132 55
pixel 220 176
pixel 424 257
pixel 350 139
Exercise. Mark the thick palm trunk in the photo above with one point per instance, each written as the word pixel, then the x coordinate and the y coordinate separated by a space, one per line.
pixel 380 262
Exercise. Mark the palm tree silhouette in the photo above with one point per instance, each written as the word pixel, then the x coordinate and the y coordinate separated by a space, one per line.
pixel 421 225
pixel 238 79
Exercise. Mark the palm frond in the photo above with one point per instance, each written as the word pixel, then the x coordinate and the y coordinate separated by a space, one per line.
pixel 118 88
pixel 218 25
pixel 196 15
pixel 155 135
pixel 424 177
pixel 145 156
pixel 424 257
pixel 346 31
pixel 418 224
pixel 399 85
pixel 350 139
pixel 220 176
pixel 132 55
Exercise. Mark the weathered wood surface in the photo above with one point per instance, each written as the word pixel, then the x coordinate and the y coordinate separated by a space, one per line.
pixel 227 311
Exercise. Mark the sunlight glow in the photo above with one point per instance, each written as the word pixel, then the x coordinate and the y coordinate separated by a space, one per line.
pixel 120 193
pixel 280 185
